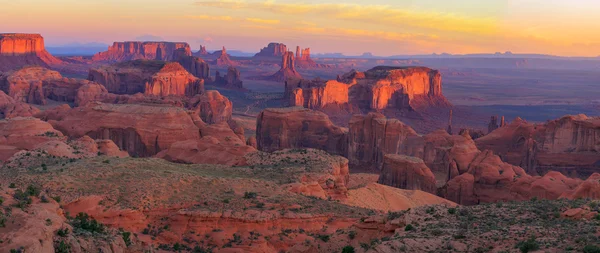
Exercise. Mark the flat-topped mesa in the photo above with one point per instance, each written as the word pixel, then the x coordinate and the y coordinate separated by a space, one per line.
pixel 273 50
pixel 18 50
pixel 296 127
pixel 136 50
pixel 288 69
pixel 404 88
pixel 148 77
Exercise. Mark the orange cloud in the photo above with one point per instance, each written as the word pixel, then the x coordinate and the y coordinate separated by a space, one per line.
pixel 207 17
pixel 263 21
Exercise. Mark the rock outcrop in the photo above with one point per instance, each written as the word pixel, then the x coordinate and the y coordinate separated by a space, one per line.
pixel 36 84
pixel 141 130
pixel 19 50
pixel 400 88
pixel 569 144
pixel 9 108
pixel 202 52
pixel 195 65
pixel 303 59
pixel 380 88
pixel 218 145
pixel 212 107
pixel 230 80
pixel 491 180
pixel 273 50
pixel 315 94
pixel 148 77
pixel 137 50
pixel 288 69
pixel 372 136
pixel 407 172
pixel 173 79
pixel 224 60
pixel 296 127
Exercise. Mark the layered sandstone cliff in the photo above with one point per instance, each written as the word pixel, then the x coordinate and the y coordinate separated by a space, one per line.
pixel 195 65
pixel 296 127
pixel 315 94
pixel 137 50
pixel 569 144
pixel 148 77
pixel 380 88
pixel 19 50
pixel 403 88
pixel 407 172
pixel 141 130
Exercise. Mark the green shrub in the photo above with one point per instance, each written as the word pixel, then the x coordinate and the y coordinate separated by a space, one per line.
pixel 33 190
pixel 409 227
pixel 126 238
pixel 452 210
pixel 83 222
pixel 62 247
pixel 12 185
pixel 352 234
pixel 324 238
pixel 348 249
pixel 591 249
pixel 250 195
pixel 526 246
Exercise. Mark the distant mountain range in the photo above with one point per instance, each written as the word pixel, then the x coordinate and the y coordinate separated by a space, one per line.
pixel 78 49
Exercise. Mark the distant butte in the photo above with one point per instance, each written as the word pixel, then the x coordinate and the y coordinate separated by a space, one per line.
pixel 288 69
pixel 137 50
pixel 18 50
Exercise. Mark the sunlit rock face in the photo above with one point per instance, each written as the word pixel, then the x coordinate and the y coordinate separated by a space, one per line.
pixel 18 50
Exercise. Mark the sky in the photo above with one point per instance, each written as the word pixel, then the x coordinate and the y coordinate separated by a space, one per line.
pixel 352 27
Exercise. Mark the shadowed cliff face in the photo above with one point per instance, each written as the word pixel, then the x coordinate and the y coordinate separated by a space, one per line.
pixel 569 144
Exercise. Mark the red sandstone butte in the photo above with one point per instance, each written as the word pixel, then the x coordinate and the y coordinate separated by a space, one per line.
pixel 148 77
pixel 136 50
pixel 288 69
pixel 19 50
pixel 273 50
pixel 230 80
pixel 224 60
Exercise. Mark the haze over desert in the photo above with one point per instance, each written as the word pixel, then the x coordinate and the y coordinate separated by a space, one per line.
pixel 304 127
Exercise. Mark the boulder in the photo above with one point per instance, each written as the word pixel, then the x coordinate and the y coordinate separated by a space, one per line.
pixel 212 107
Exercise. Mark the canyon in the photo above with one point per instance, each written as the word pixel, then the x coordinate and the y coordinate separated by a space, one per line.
pixel 162 155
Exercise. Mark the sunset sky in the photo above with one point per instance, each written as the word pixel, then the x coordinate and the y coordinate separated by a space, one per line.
pixel 383 27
